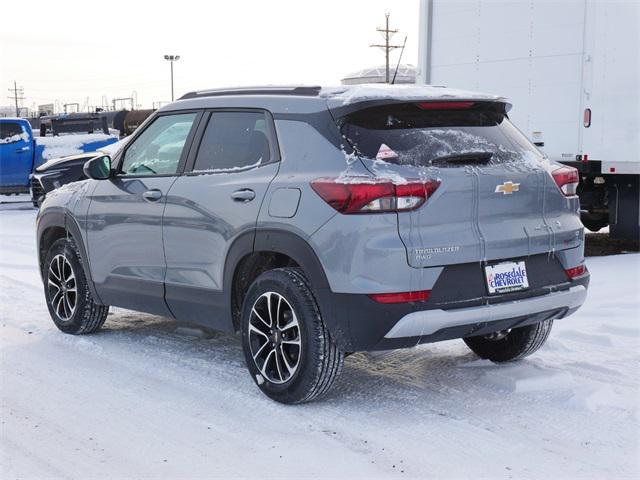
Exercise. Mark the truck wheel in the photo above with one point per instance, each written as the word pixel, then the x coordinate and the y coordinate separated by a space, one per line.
pixel 594 222
pixel 287 346
pixel 69 299
pixel 511 344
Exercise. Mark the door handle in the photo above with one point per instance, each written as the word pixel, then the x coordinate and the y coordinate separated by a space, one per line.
pixel 23 149
pixel 243 195
pixel 152 195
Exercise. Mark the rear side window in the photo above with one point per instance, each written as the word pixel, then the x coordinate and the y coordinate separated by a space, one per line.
pixel 411 134
pixel 10 132
pixel 233 141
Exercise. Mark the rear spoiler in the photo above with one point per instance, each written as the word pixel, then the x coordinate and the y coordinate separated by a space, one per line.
pixel 339 109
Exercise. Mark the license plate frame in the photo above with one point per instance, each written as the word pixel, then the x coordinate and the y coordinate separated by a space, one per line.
pixel 506 277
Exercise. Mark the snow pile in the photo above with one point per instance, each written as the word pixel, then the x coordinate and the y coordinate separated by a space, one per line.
pixel 524 378
pixel 348 94
pixel 65 145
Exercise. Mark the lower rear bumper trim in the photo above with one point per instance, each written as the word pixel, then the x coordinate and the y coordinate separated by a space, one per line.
pixel 427 322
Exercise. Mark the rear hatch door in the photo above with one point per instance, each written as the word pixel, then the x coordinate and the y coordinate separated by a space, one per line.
pixel 496 199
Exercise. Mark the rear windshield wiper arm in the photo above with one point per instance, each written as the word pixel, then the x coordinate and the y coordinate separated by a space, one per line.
pixel 469 158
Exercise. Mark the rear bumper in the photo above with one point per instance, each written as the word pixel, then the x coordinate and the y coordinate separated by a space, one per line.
pixel 365 325
pixel 428 322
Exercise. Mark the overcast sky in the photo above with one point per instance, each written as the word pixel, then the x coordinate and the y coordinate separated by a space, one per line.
pixel 68 50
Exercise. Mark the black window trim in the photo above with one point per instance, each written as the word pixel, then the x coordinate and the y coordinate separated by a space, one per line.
pixel 185 151
pixel 274 148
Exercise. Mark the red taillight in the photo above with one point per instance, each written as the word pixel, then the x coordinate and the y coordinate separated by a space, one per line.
pixel 586 118
pixel 402 297
pixel 576 271
pixel 567 179
pixel 445 105
pixel 359 195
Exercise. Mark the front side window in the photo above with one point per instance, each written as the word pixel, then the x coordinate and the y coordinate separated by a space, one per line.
pixel 158 149
pixel 233 141
pixel 11 132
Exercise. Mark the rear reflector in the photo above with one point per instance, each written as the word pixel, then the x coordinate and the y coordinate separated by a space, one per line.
pixel 567 179
pixel 576 271
pixel 444 105
pixel 403 297
pixel 586 118
pixel 360 195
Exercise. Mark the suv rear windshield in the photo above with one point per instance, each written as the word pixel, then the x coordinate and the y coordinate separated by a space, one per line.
pixel 414 134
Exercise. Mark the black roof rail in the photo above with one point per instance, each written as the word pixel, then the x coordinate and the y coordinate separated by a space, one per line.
pixel 307 91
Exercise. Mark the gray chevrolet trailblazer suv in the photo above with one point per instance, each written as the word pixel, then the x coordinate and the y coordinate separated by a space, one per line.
pixel 319 222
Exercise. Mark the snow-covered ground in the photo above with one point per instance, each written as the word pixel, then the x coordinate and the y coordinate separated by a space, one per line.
pixel 147 397
pixel 74 144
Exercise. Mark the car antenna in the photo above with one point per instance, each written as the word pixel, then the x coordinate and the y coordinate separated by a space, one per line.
pixel 399 58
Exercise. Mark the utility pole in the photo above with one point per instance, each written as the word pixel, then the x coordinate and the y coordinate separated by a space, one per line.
pixel 17 95
pixel 387 33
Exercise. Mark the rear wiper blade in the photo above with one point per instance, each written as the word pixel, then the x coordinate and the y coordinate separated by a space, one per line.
pixel 469 158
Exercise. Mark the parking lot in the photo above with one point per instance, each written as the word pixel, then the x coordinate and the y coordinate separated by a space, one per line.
pixel 147 397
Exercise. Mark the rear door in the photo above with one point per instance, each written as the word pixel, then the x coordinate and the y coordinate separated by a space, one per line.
pixel 214 203
pixel 124 220
pixel 16 154
pixel 496 199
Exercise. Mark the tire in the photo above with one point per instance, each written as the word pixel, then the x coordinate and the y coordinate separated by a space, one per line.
pixel 72 312
pixel 511 345
pixel 319 362
pixel 594 223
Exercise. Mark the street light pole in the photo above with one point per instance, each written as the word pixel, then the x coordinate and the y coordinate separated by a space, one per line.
pixel 172 58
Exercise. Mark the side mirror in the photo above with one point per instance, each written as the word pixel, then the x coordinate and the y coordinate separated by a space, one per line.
pixel 98 168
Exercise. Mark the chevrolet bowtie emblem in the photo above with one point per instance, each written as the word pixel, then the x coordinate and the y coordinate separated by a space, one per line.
pixel 507 188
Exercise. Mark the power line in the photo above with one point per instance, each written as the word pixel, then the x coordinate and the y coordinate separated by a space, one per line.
pixel 387 33
pixel 399 59
pixel 17 96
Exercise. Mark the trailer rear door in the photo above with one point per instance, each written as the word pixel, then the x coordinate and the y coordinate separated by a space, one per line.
pixel 612 86
pixel 529 52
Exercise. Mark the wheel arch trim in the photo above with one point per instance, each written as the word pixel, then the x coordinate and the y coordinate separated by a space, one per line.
pixel 295 247
pixel 273 240
pixel 60 218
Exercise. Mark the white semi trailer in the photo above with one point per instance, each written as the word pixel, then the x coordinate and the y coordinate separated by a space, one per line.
pixel 572 71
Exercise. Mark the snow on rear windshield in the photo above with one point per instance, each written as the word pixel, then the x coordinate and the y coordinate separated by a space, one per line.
pixel 407 135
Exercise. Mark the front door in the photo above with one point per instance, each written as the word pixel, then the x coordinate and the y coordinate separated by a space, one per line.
pixel 211 206
pixel 124 221
pixel 16 155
